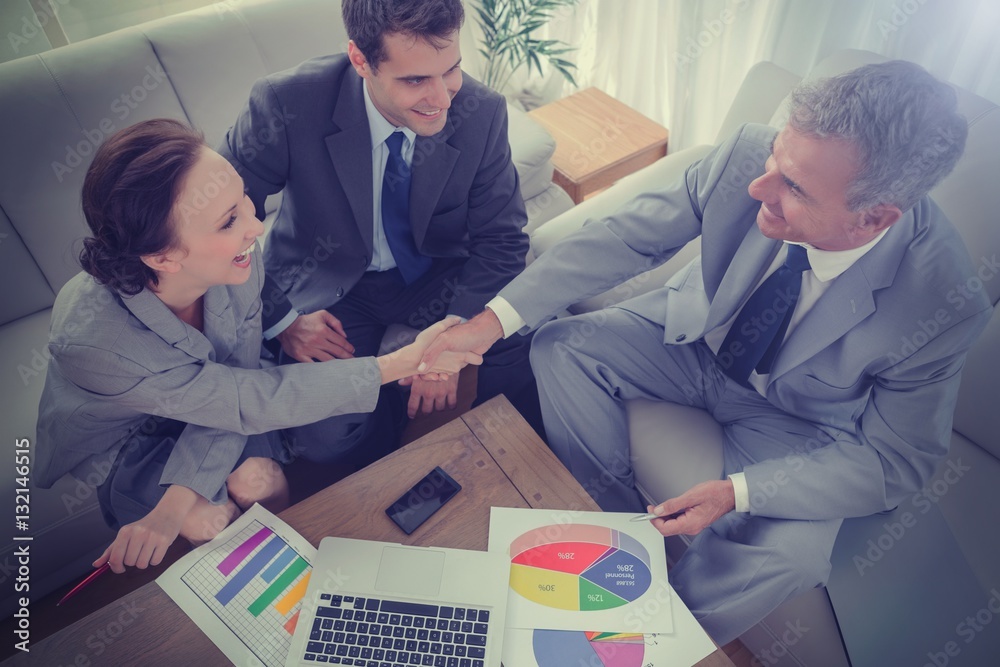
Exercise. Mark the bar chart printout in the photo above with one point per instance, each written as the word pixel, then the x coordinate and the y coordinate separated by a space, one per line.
pixel 244 588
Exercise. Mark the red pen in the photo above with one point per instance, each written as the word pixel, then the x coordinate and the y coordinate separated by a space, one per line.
pixel 90 577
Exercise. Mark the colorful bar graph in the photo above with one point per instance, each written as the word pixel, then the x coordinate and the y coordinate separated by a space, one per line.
pixel 279 585
pixel 240 553
pixel 292 622
pixel 283 559
pixel 293 597
pixel 250 570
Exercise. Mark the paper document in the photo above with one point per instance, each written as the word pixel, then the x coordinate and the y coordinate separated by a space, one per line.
pixel 244 588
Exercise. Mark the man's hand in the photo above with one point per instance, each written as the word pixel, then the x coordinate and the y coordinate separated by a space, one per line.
pixel 145 542
pixel 701 506
pixel 318 336
pixel 427 396
pixel 477 335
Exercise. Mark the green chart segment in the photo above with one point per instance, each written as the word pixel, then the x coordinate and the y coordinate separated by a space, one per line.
pixel 579 567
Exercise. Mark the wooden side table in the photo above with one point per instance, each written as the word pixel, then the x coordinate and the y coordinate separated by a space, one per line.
pixel 598 141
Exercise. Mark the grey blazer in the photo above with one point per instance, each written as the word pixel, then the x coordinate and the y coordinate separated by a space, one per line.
pixel 119 361
pixel 862 366
pixel 305 132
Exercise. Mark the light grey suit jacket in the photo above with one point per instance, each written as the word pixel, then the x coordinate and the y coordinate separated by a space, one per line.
pixel 121 364
pixel 874 365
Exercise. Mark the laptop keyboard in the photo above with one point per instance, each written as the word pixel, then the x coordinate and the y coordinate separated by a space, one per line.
pixel 371 632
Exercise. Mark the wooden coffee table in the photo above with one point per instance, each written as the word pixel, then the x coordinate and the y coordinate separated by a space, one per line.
pixel 491 451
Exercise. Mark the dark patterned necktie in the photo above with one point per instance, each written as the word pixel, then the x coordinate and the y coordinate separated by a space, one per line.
pixel 396 213
pixel 759 329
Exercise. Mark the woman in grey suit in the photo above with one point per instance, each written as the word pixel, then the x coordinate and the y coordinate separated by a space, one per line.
pixel 154 392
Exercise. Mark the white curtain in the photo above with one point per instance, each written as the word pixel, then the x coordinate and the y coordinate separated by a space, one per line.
pixel 680 62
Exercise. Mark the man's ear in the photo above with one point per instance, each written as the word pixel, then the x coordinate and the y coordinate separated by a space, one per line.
pixel 358 60
pixel 879 218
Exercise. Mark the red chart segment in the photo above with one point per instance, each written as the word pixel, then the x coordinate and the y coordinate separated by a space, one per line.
pixel 571 557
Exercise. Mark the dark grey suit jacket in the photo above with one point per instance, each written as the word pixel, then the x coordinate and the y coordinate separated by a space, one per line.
pixel 305 132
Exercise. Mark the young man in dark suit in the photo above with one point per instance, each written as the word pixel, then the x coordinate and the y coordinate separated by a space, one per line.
pixel 400 205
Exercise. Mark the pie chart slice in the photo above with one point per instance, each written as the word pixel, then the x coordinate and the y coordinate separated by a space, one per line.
pixel 588 568
pixel 558 648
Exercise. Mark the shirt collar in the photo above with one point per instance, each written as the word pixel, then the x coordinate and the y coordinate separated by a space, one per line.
pixel 381 128
pixel 828 264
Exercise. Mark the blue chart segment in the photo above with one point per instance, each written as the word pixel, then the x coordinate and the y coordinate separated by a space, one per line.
pixel 254 583
pixel 560 648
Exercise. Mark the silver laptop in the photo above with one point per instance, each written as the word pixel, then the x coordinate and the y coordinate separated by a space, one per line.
pixel 384 604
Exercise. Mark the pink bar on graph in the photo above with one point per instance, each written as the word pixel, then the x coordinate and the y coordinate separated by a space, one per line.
pixel 241 552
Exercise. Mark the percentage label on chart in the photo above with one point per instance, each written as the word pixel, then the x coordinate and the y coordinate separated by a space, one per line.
pixel 548 588
pixel 595 597
pixel 626 568
pixel 567 555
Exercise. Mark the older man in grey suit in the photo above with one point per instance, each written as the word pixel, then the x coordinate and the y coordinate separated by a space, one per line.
pixel 821 254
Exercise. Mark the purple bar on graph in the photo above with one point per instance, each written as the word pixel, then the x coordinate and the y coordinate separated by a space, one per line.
pixel 242 551
pixel 250 570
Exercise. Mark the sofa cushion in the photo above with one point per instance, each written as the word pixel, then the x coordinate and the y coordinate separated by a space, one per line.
pixel 532 148
pixel 27 290
pixel 64 112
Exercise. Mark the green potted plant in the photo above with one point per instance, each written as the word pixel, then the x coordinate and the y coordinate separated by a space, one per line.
pixel 507 26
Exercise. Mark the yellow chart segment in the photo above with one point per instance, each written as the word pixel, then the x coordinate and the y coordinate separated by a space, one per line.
pixel 553 589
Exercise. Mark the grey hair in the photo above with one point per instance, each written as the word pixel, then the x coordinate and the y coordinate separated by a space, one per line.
pixel 902 121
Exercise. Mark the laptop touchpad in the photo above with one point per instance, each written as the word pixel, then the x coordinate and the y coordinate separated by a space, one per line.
pixel 410 571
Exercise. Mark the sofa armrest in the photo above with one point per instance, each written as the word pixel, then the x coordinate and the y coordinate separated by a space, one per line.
pixel 762 92
pixel 606 203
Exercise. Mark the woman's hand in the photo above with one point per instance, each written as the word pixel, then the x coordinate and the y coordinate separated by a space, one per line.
pixel 145 542
pixel 403 362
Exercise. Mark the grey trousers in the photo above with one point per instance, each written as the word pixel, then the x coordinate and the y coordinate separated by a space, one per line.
pixel 740 568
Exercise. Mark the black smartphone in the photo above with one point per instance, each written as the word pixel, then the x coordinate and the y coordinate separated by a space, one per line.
pixel 423 499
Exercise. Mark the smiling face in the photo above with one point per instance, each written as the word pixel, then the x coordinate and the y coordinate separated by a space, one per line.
pixel 803 194
pixel 215 228
pixel 413 87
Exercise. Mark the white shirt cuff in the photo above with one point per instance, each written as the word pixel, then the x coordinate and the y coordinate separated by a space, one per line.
pixel 739 481
pixel 282 324
pixel 509 319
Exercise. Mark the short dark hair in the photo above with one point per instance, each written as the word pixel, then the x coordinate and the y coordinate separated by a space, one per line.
pixel 903 122
pixel 368 21
pixel 128 196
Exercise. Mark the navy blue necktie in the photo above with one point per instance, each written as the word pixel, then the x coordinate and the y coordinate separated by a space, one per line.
pixel 759 329
pixel 396 213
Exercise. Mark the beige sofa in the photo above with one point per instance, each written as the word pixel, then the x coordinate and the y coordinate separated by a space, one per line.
pixel 57 107
pixel 906 583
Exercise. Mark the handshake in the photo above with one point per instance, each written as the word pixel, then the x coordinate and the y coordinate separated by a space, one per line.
pixel 413 359
pixel 429 366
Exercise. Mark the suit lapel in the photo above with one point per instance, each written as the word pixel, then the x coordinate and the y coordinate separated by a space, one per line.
pixel 159 319
pixel 350 151
pixel 843 306
pixel 745 270
pixel 433 161
pixel 220 322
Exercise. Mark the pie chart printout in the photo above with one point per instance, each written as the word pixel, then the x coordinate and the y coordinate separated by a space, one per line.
pixel 558 648
pixel 579 567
